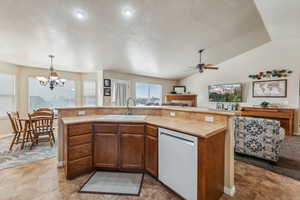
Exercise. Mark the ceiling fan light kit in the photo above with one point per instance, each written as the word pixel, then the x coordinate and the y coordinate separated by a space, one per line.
pixel 202 66
pixel 53 79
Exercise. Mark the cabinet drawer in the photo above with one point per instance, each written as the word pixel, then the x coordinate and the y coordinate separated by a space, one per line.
pixel 80 151
pixel 151 130
pixel 79 129
pixel 80 139
pixel 79 167
pixel 132 129
pixel 105 128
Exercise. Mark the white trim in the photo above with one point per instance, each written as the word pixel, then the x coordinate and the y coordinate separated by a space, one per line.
pixel 229 191
pixel 60 164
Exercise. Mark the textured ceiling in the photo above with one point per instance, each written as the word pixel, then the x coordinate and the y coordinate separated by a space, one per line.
pixel 281 18
pixel 161 39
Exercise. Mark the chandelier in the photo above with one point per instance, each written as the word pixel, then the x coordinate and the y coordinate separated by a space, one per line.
pixel 53 80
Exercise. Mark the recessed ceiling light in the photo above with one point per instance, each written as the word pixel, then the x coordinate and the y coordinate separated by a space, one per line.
pixel 127 12
pixel 79 15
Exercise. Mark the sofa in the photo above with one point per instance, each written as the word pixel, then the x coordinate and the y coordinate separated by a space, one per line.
pixel 258 137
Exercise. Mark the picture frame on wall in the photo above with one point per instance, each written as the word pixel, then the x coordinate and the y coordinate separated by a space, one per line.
pixel 107 83
pixel 179 89
pixel 270 89
pixel 107 92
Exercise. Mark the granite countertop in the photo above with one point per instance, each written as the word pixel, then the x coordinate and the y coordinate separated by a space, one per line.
pixel 192 127
pixel 175 108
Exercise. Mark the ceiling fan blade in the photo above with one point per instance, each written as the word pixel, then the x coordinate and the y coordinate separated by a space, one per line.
pixel 210 66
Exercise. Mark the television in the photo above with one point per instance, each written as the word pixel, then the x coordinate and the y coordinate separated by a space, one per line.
pixel 225 93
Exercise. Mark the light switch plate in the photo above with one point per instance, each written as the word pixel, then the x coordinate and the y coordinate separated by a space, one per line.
pixel 172 114
pixel 81 112
pixel 209 118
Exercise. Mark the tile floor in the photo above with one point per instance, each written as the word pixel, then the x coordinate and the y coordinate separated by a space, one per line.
pixel 43 180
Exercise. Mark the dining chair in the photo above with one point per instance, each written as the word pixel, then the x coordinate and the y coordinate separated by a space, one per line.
pixel 41 124
pixel 45 110
pixel 17 128
pixel 50 111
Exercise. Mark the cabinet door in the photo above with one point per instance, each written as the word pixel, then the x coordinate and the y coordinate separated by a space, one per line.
pixel 132 151
pixel 106 150
pixel 151 154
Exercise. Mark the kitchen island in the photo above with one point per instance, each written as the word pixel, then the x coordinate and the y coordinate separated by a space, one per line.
pixel 93 141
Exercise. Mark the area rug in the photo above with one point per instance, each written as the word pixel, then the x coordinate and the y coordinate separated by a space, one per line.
pixel 119 183
pixel 289 159
pixel 18 157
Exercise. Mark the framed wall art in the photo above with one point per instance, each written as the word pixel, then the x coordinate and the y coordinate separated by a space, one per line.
pixel 270 89
pixel 107 83
pixel 107 92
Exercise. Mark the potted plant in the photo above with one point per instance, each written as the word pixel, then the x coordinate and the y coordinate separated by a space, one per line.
pixel 264 104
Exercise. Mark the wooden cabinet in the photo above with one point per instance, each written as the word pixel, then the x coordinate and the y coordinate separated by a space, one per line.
pixel 79 167
pixel 189 99
pixel 151 150
pixel 105 128
pixel 132 143
pixel 119 146
pixel 132 129
pixel 285 116
pixel 78 150
pixel 134 147
pixel 132 151
pixel 106 150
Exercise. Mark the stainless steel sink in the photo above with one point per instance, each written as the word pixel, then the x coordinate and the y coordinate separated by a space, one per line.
pixel 122 117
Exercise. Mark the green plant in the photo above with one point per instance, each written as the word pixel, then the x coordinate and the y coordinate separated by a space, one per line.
pixel 264 104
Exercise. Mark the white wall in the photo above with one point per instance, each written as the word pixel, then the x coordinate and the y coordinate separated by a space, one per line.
pixel 272 55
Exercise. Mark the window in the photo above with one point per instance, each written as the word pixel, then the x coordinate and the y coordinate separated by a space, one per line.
pixel 7 93
pixel 41 96
pixel 148 94
pixel 89 93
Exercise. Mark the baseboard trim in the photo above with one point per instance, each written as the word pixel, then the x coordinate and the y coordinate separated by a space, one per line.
pixel 60 164
pixel 229 191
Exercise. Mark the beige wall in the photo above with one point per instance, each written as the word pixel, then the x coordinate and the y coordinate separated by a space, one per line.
pixel 167 85
pixel 5 127
pixel 22 74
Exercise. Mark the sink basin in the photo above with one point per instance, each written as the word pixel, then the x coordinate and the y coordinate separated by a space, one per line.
pixel 123 117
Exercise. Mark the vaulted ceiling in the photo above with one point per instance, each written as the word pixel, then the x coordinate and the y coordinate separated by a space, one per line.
pixel 281 18
pixel 146 37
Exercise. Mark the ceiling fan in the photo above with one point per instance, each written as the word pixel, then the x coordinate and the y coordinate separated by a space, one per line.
pixel 202 66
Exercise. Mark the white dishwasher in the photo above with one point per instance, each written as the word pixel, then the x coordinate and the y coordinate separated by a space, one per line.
pixel 178 162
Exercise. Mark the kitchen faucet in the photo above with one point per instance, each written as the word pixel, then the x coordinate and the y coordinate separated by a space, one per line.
pixel 129 110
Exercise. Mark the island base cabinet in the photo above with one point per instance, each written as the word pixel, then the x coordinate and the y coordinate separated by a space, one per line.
pixel 106 150
pixel 78 167
pixel 132 152
pixel 78 150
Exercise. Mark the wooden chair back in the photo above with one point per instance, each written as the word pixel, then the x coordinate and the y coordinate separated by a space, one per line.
pixel 16 124
pixel 41 122
pixel 45 110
